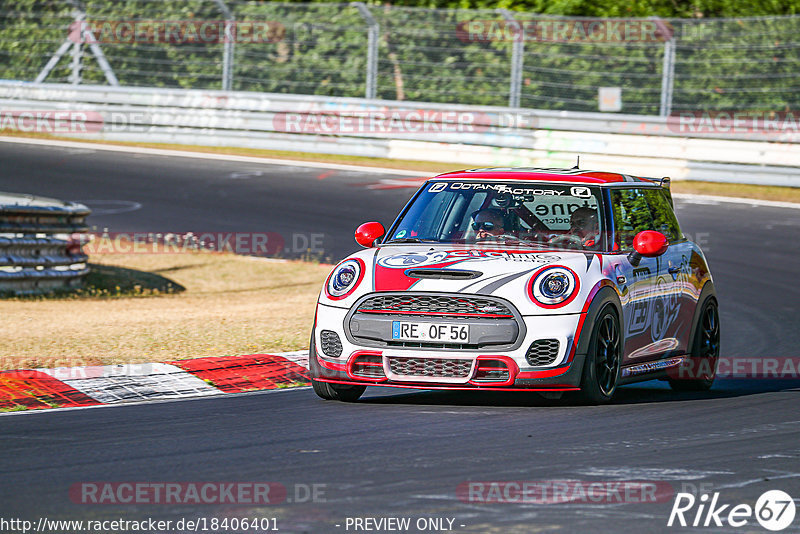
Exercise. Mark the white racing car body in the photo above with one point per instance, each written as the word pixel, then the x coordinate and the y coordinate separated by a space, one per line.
pixel 520 279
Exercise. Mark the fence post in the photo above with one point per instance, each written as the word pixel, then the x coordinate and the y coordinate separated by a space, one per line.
pixel 373 31
pixel 227 46
pixel 75 75
pixel 517 55
pixel 667 68
pixel 85 35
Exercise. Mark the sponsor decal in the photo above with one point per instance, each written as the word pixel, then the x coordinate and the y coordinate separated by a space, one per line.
pixel 639 314
pixel 580 192
pixel 411 259
pixel 665 309
pixel 500 188
pixel 417 259
pixel 651 366
pixel 656 307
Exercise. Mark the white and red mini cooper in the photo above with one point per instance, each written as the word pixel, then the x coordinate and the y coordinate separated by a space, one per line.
pixel 520 279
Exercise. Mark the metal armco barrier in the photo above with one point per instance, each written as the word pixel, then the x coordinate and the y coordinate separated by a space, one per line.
pixel 644 145
pixel 40 244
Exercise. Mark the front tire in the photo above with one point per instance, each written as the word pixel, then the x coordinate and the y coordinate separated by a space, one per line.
pixel 338 392
pixel 326 390
pixel 601 368
pixel 705 351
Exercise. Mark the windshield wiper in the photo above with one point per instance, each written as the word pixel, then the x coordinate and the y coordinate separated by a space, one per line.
pixel 525 242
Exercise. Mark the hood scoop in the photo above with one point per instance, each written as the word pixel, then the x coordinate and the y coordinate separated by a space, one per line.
pixel 443 274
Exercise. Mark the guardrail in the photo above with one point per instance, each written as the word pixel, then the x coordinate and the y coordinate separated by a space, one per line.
pixel 466 135
pixel 40 244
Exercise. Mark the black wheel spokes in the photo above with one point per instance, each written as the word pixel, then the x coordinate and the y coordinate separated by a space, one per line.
pixel 607 356
pixel 710 333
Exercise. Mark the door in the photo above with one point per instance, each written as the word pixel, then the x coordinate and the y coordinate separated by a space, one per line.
pixel 649 312
pixel 673 308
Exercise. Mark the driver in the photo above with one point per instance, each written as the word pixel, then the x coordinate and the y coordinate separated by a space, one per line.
pixel 488 223
pixel 583 225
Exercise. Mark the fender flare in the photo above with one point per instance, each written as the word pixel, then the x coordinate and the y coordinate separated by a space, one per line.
pixel 708 292
pixel 605 295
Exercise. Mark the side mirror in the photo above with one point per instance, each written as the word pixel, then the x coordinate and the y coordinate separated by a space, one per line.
pixel 648 244
pixel 368 233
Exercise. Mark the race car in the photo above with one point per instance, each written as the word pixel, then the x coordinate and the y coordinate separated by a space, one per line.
pixel 523 279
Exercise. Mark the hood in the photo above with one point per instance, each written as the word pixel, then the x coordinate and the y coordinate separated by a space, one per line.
pixel 498 271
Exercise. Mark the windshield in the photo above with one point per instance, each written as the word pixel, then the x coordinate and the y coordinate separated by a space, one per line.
pixel 541 215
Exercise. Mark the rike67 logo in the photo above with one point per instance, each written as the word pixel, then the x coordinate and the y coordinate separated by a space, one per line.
pixel 774 510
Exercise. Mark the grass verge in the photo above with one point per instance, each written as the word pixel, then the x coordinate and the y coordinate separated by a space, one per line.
pixel 158 307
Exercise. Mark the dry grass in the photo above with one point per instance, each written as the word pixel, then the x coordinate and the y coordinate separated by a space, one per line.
pixel 761 192
pixel 231 305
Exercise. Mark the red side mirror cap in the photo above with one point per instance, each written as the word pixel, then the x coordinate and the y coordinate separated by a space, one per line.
pixel 650 243
pixel 368 233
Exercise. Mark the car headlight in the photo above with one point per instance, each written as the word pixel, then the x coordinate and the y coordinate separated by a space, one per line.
pixel 344 279
pixel 553 287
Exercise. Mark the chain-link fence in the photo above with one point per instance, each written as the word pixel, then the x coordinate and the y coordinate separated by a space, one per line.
pixel 485 57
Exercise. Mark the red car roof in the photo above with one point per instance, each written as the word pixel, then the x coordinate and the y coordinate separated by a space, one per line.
pixel 546 175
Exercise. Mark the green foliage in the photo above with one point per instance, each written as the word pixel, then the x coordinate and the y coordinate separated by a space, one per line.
pixel 423 54
pixel 628 8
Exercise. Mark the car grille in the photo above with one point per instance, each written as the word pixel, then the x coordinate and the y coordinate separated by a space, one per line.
pixel 430 367
pixel 331 344
pixel 542 352
pixel 435 305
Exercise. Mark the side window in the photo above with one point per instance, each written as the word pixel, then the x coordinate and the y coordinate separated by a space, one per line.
pixel 664 219
pixel 631 216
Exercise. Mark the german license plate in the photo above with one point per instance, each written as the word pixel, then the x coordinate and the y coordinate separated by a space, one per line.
pixel 437 332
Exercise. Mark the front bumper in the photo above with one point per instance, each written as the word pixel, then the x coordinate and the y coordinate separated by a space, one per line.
pixel 448 368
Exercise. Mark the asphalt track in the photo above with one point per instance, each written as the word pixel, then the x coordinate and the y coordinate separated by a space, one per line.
pixel 404 454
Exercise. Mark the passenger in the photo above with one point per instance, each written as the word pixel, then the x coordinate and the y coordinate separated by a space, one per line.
pixel 583 225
